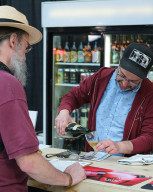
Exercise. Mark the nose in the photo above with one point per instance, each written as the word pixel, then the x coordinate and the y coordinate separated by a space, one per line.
pixel 125 83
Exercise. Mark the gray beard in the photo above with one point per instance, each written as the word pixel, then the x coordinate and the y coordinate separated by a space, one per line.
pixel 19 68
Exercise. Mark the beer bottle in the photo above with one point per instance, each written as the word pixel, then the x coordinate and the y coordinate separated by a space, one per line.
pixel 115 53
pixel 73 76
pixel 60 75
pixel 59 53
pixel 122 49
pixel 74 57
pixel 76 130
pixel 66 75
pixel 96 54
pixel 67 57
pixel 80 53
pixel 88 54
pixel 83 116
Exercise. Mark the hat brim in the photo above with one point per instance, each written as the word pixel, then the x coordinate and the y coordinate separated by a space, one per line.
pixel 34 34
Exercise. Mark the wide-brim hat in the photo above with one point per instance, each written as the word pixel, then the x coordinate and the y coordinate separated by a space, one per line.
pixel 10 17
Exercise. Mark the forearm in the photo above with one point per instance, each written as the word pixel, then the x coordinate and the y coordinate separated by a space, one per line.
pixel 125 147
pixel 41 170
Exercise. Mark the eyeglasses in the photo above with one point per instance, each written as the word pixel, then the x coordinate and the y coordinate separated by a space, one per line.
pixel 121 78
pixel 28 48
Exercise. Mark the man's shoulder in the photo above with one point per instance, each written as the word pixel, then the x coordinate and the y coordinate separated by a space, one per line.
pixel 147 87
pixel 105 72
pixel 10 87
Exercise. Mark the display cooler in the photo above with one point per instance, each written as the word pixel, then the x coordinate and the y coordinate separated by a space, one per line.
pixel 79 37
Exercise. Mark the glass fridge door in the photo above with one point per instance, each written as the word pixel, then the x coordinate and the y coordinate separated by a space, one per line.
pixel 116 44
pixel 75 58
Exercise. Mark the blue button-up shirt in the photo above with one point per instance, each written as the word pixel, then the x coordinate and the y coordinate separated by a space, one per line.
pixel 113 110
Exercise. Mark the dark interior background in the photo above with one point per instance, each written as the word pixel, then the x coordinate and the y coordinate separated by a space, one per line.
pixel 34 88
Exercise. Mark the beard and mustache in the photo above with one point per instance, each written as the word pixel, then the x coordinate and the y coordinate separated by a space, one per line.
pixel 18 66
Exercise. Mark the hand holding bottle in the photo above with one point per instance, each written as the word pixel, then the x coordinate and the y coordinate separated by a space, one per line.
pixel 61 121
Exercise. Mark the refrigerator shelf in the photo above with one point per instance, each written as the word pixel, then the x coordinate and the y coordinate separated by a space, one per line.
pixel 114 65
pixel 78 64
pixel 66 84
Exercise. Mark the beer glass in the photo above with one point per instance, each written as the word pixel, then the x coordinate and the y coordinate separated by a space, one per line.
pixel 93 139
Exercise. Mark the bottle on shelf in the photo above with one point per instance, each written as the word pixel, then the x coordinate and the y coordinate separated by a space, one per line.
pixel 95 54
pixel 60 75
pixel 67 56
pixel 122 47
pixel 73 76
pixel 59 53
pixel 128 40
pixel 74 56
pixel 73 115
pixel 66 75
pixel 75 130
pixel 138 39
pixel 82 75
pixel 88 57
pixel 77 75
pixel 83 116
pixel 115 53
pixel 80 53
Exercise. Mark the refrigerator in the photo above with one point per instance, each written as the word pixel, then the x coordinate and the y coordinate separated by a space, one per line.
pixel 79 37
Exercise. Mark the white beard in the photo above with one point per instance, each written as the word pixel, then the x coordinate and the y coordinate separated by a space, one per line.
pixel 19 68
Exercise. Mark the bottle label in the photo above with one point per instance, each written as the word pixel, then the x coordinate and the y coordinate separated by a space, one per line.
pixel 95 57
pixel 60 76
pixel 80 56
pixel 66 76
pixel 88 57
pixel 73 78
pixel 67 57
pixel 57 55
pixel 73 56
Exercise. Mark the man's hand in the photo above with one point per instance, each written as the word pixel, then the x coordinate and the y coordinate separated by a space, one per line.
pixel 61 121
pixel 77 173
pixel 112 147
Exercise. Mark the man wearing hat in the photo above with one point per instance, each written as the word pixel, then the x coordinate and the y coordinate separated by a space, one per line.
pixel 121 104
pixel 19 155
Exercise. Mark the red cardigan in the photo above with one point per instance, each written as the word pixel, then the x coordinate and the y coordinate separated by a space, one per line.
pixel 139 123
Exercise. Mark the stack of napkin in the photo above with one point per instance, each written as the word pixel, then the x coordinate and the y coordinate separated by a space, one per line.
pixel 137 160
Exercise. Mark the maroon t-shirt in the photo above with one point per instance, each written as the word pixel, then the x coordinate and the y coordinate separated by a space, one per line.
pixel 16 133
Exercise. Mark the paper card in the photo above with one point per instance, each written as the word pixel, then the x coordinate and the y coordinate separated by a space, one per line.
pixel 63 164
pixel 112 176
pixel 99 156
pixel 148 186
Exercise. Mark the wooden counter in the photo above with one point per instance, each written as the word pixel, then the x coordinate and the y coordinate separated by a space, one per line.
pixel 96 186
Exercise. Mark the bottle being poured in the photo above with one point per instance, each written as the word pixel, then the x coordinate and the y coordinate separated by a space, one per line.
pixel 75 130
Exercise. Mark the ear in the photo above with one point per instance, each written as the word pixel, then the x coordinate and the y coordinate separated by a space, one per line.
pixel 13 41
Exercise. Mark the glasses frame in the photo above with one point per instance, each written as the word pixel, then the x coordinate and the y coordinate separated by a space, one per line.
pixel 28 48
pixel 121 78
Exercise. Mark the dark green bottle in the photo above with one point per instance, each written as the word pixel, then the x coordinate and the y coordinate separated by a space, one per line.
pixel 75 130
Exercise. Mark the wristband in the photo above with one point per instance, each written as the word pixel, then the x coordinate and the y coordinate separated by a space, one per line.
pixel 70 179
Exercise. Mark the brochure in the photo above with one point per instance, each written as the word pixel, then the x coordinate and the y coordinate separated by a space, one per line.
pixel 62 164
pixel 99 156
pixel 112 176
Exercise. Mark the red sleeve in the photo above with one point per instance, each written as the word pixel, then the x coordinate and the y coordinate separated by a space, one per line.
pixel 78 96
pixel 17 131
